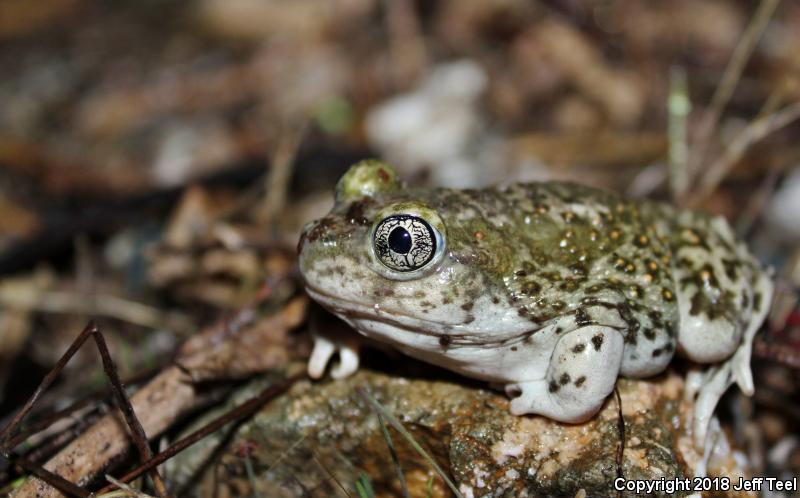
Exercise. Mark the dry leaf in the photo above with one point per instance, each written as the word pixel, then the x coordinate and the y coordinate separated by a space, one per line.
pixel 236 352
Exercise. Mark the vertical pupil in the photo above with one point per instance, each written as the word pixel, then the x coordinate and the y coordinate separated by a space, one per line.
pixel 400 240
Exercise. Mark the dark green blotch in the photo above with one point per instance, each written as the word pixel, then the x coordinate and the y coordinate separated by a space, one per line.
pixel 530 288
pixel 582 318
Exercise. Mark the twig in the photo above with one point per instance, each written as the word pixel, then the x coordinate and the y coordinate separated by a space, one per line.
pixel 124 487
pixel 331 475
pixel 730 78
pixel 45 425
pixel 621 430
pixel 94 305
pixel 159 403
pixel 52 479
pixel 52 420
pixel 393 453
pixel 775 98
pixel 204 476
pixel 285 453
pixel 752 133
pixel 61 437
pixel 281 166
pixel 245 409
pixel 13 427
pixel 123 403
pixel 407 435
pixel 678 107
pixel 166 397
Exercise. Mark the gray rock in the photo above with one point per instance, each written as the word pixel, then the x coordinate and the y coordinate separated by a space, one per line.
pixel 321 437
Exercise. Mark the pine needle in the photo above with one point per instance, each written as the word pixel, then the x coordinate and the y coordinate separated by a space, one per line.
pixel 407 435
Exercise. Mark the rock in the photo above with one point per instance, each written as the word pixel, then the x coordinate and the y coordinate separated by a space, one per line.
pixel 322 436
pixel 439 129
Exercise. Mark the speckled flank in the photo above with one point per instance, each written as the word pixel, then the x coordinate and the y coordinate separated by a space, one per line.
pixel 716 282
pixel 562 249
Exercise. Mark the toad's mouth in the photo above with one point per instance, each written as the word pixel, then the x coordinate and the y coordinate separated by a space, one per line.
pixel 458 332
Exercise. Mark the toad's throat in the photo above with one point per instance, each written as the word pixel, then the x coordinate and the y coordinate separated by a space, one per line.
pixel 405 324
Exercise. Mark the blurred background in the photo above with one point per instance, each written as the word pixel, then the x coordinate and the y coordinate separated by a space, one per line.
pixel 159 157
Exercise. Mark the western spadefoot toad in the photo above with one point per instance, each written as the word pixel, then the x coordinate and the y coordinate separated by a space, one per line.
pixel 550 289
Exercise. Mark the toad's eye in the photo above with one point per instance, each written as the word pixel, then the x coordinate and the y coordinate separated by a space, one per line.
pixel 405 243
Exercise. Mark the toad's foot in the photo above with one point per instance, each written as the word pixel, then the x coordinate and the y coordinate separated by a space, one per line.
pixel 711 384
pixel 330 337
pixel 323 351
pixel 574 387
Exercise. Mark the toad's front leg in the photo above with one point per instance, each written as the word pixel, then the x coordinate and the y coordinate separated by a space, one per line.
pixel 582 372
pixel 332 336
